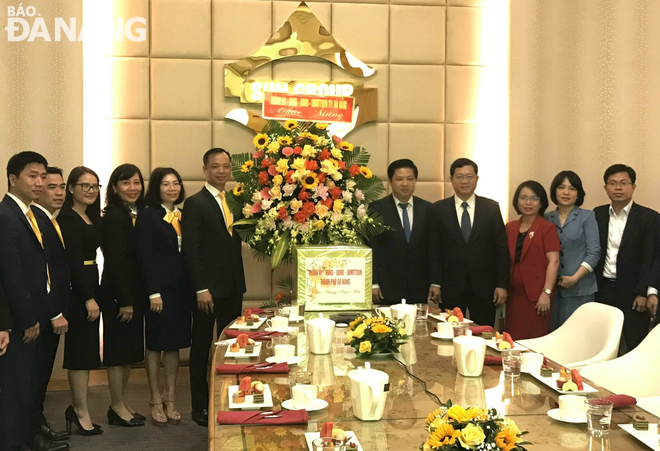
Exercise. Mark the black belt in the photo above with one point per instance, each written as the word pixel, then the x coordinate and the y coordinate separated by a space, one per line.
pixel 610 282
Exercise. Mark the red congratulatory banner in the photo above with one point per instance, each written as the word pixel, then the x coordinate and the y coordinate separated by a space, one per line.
pixel 308 107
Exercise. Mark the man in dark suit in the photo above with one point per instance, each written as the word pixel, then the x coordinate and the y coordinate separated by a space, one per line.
pixel 473 247
pixel 25 281
pixel 406 258
pixel 212 252
pixel 5 323
pixel 49 202
pixel 627 237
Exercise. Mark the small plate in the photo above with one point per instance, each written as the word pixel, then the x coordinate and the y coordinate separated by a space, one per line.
pixel 440 316
pixel 295 319
pixel 288 330
pixel 552 383
pixel 248 404
pixel 241 353
pixel 554 414
pixel 295 360
pixel 437 335
pixel 649 438
pixel 255 326
pixel 516 347
pixel 311 436
pixel 320 404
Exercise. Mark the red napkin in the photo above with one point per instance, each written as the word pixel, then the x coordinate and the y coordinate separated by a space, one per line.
pixel 287 417
pixel 260 311
pixel 491 360
pixel 253 368
pixel 621 401
pixel 478 330
pixel 233 333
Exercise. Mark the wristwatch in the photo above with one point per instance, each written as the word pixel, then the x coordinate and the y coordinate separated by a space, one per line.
pixel 546 291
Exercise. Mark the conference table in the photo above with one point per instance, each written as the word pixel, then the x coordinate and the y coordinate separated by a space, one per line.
pixel 402 427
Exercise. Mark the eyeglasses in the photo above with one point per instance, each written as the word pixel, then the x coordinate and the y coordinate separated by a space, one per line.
pixel 622 183
pixel 86 187
pixel 532 198
pixel 468 177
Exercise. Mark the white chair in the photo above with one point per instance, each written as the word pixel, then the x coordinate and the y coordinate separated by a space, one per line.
pixel 590 335
pixel 635 374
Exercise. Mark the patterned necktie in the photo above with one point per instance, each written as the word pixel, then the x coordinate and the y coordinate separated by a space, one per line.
pixel 406 220
pixel 227 212
pixel 174 218
pixel 37 232
pixel 133 217
pixel 466 227
pixel 58 230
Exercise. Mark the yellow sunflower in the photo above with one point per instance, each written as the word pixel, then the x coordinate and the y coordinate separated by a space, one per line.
pixel 433 415
pixel 285 140
pixel 381 329
pixel 355 322
pixel 261 141
pixel 247 166
pixel 346 146
pixel 291 124
pixel 444 435
pixel 321 126
pixel 310 181
pixel 366 172
pixel 309 136
pixel 239 189
pixel 506 440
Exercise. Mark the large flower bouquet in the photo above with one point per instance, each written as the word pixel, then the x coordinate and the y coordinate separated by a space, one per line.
pixel 303 186
pixel 375 335
pixel 453 428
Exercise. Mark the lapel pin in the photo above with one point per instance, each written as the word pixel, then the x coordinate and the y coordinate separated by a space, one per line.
pixel 531 234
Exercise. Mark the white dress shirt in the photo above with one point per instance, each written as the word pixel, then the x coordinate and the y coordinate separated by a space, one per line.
pixel 178 239
pixel 409 209
pixel 459 208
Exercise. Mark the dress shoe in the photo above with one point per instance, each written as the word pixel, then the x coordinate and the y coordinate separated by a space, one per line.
pixel 53 435
pixel 139 416
pixel 201 417
pixel 40 443
pixel 115 419
pixel 71 418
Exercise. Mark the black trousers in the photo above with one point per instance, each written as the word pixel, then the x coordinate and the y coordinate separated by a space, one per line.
pixel 481 310
pixel 19 370
pixel 635 324
pixel 225 310
pixel 49 344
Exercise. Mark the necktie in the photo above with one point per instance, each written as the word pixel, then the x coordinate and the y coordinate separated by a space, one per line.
pixel 406 220
pixel 226 211
pixel 174 218
pixel 58 230
pixel 466 227
pixel 133 217
pixel 37 232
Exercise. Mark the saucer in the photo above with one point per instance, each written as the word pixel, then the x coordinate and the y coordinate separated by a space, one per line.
pixel 288 330
pixel 295 319
pixel 554 414
pixel 320 404
pixel 295 360
pixel 437 335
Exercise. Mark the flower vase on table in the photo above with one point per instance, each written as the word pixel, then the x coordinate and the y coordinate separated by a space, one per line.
pixel 374 336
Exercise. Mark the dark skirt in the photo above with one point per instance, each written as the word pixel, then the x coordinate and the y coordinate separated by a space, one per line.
pixel 123 343
pixel 169 330
pixel 522 321
pixel 81 342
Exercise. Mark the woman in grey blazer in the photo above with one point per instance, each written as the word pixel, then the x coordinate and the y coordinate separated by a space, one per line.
pixel 580 247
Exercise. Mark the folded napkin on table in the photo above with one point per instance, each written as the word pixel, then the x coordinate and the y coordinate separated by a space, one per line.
pixel 491 360
pixel 253 368
pixel 233 333
pixel 478 330
pixel 251 417
pixel 621 400
pixel 260 311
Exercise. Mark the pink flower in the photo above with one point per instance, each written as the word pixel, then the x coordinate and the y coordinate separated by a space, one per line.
pixel 272 170
pixel 287 151
pixel 362 210
pixel 256 208
pixel 359 195
pixel 265 193
pixel 321 191
pixel 258 154
pixel 288 189
pixel 336 139
pixel 347 195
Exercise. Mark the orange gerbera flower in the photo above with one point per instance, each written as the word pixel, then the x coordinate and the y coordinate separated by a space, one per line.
pixel 506 440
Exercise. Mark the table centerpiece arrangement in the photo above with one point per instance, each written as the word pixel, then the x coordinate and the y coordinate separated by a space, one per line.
pixel 375 335
pixel 453 428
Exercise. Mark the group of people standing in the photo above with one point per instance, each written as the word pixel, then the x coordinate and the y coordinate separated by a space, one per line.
pixel 540 267
pixel 165 282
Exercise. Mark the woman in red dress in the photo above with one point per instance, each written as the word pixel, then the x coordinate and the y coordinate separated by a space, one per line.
pixel 534 260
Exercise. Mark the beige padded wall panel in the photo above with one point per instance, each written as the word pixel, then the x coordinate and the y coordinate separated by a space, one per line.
pixel 127 9
pixel 301 69
pixel 181 28
pixel 129 92
pixel 417 35
pixel 283 9
pixel 449 190
pixel 459 143
pixel 233 137
pixel 257 276
pixel 477 2
pixel 417 93
pixel 431 191
pixel 280 272
pixel 130 144
pixel 463 83
pixel 240 27
pixel 374 138
pixel 363 30
pixel 464 27
pixel 223 105
pixel 380 79
pixel 181 145
pixel 180 89
pixel 418 2
pixel 422 143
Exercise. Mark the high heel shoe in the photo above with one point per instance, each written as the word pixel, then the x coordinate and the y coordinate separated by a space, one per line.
pixel 158 417
pixel 71 418
pixel 173 416
pixel 115 419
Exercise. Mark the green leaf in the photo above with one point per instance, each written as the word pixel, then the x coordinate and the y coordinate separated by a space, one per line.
pixel 372 188
pixel 285 283
pixel 359 156
pixel 238 160
pixel 274 128
pixel 281 248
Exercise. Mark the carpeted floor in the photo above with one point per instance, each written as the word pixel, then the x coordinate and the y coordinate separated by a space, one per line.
pixel 187 436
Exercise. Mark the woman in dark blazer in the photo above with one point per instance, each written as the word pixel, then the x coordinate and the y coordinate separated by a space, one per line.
pixel 534 259
pixel 168 318
pixel 122 293
pixel 80 222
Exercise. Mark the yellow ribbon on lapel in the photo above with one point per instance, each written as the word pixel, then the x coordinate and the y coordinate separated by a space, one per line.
pixel 174 218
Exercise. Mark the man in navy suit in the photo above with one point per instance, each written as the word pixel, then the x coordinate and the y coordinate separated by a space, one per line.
pixel 25 281
pixel 406 257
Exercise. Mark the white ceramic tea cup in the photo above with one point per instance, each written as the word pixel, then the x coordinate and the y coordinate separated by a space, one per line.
pixel 304 396
pixel 384 311
pixel 531 362
pixel 446 330
pixel 571 407
pixel 278 323
pixel 283 352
